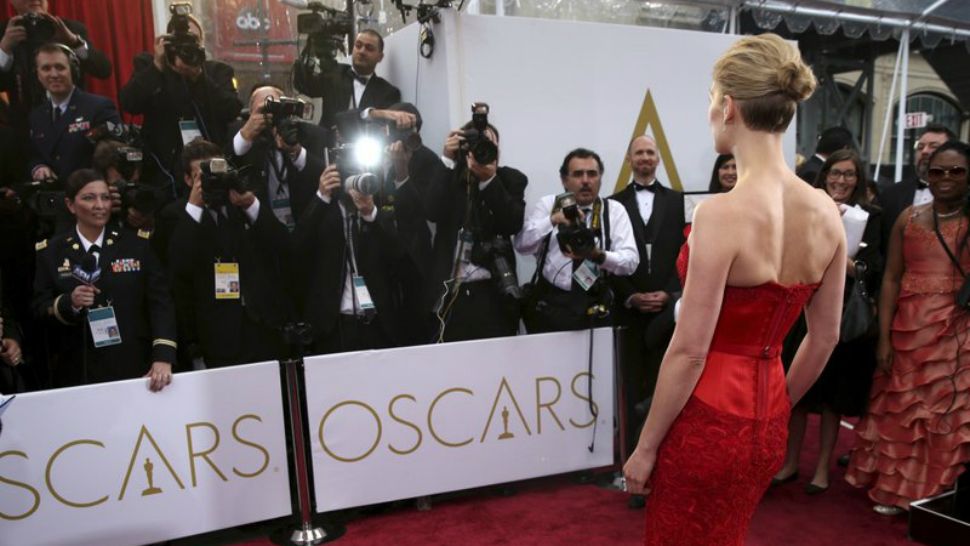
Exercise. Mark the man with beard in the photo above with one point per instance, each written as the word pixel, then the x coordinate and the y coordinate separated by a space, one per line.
pixel 913 190
pixel 644 301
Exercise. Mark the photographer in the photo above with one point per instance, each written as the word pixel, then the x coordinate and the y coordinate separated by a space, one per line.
pixel 577 238
pixel 181 95
pixel 59 126
pixel 351 277
pixel 20 37
pixel 134 201
pixel 104 296
pixel 477 207
pixel 276 146
pixel 226 255
pixel 345 87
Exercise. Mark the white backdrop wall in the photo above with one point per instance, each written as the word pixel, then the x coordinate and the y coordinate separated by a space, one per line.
pixel 556 85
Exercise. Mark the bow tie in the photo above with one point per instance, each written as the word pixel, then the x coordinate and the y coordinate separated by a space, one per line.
pixel 652 188
pixel 921 184
pixel 362 79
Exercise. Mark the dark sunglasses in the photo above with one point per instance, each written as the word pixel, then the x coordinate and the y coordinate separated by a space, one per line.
pixel 954 173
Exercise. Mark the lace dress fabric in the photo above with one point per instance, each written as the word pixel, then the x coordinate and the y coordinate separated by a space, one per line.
pixel 718 458
pixel 916 436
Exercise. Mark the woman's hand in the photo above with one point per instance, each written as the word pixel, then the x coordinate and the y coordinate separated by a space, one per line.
pixel 160 375
pixel 638 469
pixel 884 354
pixel 83 296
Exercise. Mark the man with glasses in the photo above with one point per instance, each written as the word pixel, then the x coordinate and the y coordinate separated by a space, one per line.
pixel 913 190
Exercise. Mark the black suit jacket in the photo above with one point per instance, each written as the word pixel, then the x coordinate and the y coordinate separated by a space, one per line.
pixel 496 211
pixel 893 199
pixel 337 89
pixel 211 328
pixel 22 85
pixel 62 145
pixel 665 233
pixel 132 281
pixel 810 169
pixel 323 248
pixel 165 98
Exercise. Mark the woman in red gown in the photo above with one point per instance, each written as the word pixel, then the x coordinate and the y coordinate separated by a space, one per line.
pixel 755 258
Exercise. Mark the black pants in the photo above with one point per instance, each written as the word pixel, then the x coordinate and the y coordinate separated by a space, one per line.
pixel 480 311
pixel 558 310
pixel 353 333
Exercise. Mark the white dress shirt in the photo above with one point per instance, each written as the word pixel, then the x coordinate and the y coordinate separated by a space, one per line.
pixel 622 258
pixel 922 196
pixel 645 201
pixel 87 244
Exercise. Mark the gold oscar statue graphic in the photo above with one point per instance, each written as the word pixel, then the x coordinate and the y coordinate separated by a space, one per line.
pixel 505 425
pixel 151 489
pixel 649 118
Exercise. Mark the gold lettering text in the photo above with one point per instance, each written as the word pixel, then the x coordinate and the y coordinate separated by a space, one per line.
pixel 431 420
pixel 504 385
pixel 142 434
pixel 377 440
pixel 22 485
pixel 203 454
pixel 50 466
pixel 585 398
pixel 261 449
pixel 548 406
pixel 409 424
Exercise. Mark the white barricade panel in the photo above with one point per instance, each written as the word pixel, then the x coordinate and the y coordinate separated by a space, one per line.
pixel 116 464
pixel 401 423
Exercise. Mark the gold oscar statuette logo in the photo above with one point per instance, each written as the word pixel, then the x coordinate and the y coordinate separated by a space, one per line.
pixel 151 489
pixel 505 425
pixel 649 118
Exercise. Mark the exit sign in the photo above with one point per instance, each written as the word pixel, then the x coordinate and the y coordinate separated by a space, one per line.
pixel 917 120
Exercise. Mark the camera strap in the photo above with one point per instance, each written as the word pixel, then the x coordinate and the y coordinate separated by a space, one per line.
pixel 946 247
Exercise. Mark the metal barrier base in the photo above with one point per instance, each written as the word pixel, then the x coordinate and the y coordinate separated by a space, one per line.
pixel 319 532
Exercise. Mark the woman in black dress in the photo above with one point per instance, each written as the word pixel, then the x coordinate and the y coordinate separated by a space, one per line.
pixel 843 387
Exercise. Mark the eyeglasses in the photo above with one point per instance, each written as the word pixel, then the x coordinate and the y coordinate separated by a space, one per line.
pixel 954 173
pixel 835 174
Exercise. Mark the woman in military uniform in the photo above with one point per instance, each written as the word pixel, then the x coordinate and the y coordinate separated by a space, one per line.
pixel 104 295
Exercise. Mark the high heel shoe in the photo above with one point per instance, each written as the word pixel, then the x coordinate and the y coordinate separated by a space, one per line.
pixel 788 479
pixel 812 489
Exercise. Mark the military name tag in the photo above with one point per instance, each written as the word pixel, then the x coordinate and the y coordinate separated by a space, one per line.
pixel 104 327
pixel 227 281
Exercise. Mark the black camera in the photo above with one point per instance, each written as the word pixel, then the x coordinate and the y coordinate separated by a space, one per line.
pixel 288 115
pixel 492 253
pixel 218 177
pixel 43 198
pixel 40 29
pixel 326 29
pixel 574 236
pixel 483 150
pixel 181 43
pixel 134 195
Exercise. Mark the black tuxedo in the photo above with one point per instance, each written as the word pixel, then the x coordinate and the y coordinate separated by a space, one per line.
pixel 22 85
pixel 337 89
pixel 810 169
pixel 644 340
pixel 132 282
pixel 324 260
pixel 894 199
pixel 302 185
pixel 230 331
pixel 165 98
pixel 62 144
pixel 497 211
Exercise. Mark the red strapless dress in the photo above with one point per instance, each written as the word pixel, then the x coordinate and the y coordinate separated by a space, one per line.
pixel 721 452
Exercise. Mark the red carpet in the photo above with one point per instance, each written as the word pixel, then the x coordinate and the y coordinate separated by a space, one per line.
pixel 557 511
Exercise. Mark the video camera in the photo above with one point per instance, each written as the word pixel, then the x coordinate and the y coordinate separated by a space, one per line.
pixel 127 159
pixel 43 198
pixel 180 42
pixel 483 150
pixel 326 29
pixel 574 236
pixel 218 177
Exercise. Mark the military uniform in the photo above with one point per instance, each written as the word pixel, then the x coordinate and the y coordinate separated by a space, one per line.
pixel 132 283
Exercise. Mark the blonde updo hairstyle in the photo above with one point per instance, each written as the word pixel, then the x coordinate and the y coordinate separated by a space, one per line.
pixel 767 78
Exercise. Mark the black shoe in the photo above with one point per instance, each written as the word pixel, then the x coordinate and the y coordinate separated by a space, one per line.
pixel 843 461
pixel 635 502
pixel 779 481
pixel 812 489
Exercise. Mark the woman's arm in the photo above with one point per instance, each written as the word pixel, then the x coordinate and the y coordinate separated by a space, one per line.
pixel 711 256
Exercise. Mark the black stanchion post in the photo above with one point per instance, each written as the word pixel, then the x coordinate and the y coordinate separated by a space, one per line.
pixel 296 336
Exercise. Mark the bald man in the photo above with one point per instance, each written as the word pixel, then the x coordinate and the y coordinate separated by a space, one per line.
pixel 644 301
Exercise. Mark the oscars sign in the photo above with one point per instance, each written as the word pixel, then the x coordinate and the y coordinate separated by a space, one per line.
pixel 116 464
pixel 449 417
